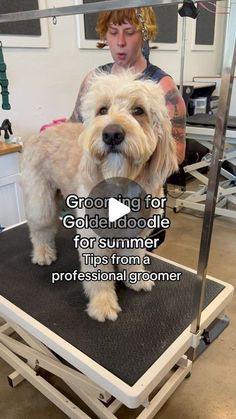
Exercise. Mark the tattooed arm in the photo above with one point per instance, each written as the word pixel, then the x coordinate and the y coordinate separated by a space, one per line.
pixel 177 112
pixel 76 115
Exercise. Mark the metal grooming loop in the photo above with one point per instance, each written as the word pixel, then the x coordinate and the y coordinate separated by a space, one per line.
pixel 36 354
pixel 85 8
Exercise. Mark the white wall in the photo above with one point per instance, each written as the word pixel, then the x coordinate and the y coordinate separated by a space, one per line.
pixel 43 83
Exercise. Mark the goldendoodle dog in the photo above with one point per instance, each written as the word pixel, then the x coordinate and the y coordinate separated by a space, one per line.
pixel 126 133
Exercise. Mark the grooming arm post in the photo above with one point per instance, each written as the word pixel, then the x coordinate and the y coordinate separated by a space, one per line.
pixel 214 173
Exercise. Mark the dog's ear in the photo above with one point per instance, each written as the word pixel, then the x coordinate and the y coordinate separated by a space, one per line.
pixel 163 161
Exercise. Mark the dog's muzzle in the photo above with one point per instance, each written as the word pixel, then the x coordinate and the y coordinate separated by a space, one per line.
pixel 113 135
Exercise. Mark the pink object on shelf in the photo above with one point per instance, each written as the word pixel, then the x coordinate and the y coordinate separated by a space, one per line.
pixel 51 124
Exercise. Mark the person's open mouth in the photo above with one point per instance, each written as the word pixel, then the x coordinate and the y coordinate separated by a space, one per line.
pixel 121 55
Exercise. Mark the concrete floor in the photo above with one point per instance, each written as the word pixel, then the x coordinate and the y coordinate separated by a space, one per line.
pixel 210 392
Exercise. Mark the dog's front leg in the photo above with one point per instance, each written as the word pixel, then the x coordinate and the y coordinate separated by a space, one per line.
pixel 103 302
pixel 134 271
pixel 43 240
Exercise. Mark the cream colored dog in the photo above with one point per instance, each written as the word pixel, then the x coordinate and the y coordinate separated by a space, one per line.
pixel 126 133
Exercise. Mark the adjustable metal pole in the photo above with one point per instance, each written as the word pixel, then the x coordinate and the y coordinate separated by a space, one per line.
pixel 181 81
pixel 216 162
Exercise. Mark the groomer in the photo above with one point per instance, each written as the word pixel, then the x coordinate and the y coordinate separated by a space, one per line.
pixel 127 33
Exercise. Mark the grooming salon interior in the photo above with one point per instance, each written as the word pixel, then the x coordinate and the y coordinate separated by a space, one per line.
pixel 131 214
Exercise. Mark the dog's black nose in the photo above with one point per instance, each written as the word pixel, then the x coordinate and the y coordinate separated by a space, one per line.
pixel 113 134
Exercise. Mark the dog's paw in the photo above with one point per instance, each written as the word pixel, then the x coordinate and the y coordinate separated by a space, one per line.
pixel 44 255
pixel 104 306
pixel 140 285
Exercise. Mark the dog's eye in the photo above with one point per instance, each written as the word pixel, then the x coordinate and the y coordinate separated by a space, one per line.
pixel 103 111
pixel 137 111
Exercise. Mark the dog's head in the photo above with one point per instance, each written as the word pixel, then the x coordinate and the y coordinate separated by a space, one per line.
pixel 127 128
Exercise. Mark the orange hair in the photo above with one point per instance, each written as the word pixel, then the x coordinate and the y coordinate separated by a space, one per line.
pixel 117 17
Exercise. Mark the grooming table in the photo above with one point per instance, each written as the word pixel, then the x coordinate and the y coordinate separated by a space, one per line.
pixel 126 359
pixel 201 128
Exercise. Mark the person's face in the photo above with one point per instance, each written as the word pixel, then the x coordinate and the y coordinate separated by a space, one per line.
pixel 125 43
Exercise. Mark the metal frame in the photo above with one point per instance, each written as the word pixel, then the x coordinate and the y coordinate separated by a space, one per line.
pixel 85 8
pixel 97 383
pixel 216 162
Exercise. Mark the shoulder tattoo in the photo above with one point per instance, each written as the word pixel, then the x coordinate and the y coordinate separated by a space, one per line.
pixel 172 97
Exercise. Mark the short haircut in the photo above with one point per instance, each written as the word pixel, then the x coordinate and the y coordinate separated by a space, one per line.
pixel 117 17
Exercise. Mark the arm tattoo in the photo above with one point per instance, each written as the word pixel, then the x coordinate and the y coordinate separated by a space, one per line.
pixel 179 135
pixel 172 97
pixel 76 115
pixel 178 120
pixel 178 128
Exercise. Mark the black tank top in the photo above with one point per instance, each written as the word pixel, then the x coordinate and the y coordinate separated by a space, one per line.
pixel 151 71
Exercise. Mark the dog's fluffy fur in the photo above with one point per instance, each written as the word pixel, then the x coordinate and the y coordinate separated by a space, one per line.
pixel 73 158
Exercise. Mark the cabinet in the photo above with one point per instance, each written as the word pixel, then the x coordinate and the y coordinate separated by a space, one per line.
pixel 11 197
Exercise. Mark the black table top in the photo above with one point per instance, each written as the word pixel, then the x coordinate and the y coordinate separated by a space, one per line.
pixel 148 324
